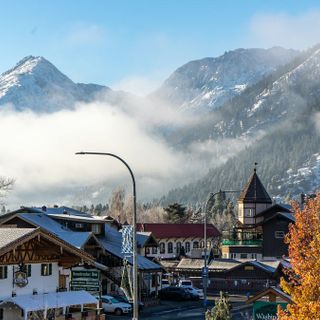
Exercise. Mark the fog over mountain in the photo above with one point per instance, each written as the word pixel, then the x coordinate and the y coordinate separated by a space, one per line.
pixel 202 130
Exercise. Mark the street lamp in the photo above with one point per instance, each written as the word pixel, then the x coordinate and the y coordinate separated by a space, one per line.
pixel 205 271
pixel 134 223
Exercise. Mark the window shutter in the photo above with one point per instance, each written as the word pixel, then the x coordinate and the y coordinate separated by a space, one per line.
pixel 29 270
pixel 5 272
pixel 50 269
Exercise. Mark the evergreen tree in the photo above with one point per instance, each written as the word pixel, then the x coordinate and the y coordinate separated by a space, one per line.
pixel 176 213
pixel 222 309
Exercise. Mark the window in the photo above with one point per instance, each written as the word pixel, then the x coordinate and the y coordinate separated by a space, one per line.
pixel 249 212
pixel 187 245
pixel 178 247
pixel 112 287
pixel 1 314
pixel 196 245
pixel 79 225
pixel 154 250
pixel 202 244
pixel 233 255
pixel 249 268
pixel 46 269
pixel 147 250
pixel 170 247
pixel 95 228
pixel 243 256
pixel 253 256
pixel 3 272
pixel 27 269
pixel 162 248
pixel 154 280
pixel 279 234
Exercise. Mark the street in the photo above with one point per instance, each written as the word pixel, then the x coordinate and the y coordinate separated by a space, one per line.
pixel 187 310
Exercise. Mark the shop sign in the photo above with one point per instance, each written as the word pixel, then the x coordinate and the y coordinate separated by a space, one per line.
pixel 266 310
pixel 88 280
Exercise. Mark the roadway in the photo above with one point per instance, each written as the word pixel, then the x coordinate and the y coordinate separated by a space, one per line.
pixel 188 310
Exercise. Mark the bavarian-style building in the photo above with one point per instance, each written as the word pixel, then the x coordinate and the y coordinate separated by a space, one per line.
pixel 261 227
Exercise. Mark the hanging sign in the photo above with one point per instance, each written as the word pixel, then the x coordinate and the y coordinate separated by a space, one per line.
pixel 20 279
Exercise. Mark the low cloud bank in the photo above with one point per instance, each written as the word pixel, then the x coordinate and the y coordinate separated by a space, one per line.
pixel 39 152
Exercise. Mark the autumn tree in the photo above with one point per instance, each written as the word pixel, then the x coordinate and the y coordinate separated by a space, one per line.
pixel 153 214
pixel 303 279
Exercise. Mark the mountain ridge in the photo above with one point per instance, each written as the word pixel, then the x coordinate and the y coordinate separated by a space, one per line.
pixel 35 83
pixel 207 83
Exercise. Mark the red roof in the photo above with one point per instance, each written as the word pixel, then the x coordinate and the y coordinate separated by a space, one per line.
pixel 178 230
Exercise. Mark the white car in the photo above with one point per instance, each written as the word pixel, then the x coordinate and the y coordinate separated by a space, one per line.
pixel 196 291
pixel 110 304
pixel 165 283
pixel 185 283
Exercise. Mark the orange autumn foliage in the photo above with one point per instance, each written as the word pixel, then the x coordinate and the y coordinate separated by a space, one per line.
pixel 304 251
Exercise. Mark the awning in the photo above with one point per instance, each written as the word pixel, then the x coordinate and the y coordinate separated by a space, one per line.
pixel 51 300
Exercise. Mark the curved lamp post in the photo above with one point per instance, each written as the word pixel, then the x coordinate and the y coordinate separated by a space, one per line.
pixel 134 223
pixel 205 272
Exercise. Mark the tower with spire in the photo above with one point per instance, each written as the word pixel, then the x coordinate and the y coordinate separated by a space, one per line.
pixel 253 199
pixel 261 225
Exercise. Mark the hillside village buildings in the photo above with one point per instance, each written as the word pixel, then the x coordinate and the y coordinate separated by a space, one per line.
pixel 180 239
pixel 59 243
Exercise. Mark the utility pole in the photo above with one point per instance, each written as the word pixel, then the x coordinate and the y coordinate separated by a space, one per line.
pixel 205 270
pixel 134 226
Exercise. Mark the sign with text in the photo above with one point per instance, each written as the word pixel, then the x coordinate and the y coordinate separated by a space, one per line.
pixel 20 279
pixel 88 280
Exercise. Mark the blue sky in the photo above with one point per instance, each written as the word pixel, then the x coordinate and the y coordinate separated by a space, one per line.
pixel 136 44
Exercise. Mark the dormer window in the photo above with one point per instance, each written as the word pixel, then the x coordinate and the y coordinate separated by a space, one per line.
pixel 79 225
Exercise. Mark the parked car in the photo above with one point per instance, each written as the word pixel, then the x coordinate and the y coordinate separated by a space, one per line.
pixel 111 304
pixel 165 283
pixel 185 283
pixel 196 292
pixel 174 293
pixel 125 300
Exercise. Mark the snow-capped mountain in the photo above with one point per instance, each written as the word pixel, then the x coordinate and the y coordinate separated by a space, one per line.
pixel 280 114
pixel 259 105
pixel 35 83
pixel 207 83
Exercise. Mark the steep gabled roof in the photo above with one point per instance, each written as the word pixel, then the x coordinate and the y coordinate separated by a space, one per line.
pixel 270 291
pixel 178 230
pixel 274 209
pixel 11 237
pixel 254 191
pixel 280 215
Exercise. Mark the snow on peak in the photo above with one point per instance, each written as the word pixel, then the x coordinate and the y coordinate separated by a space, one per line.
pixel 35 83
pixel 209 82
